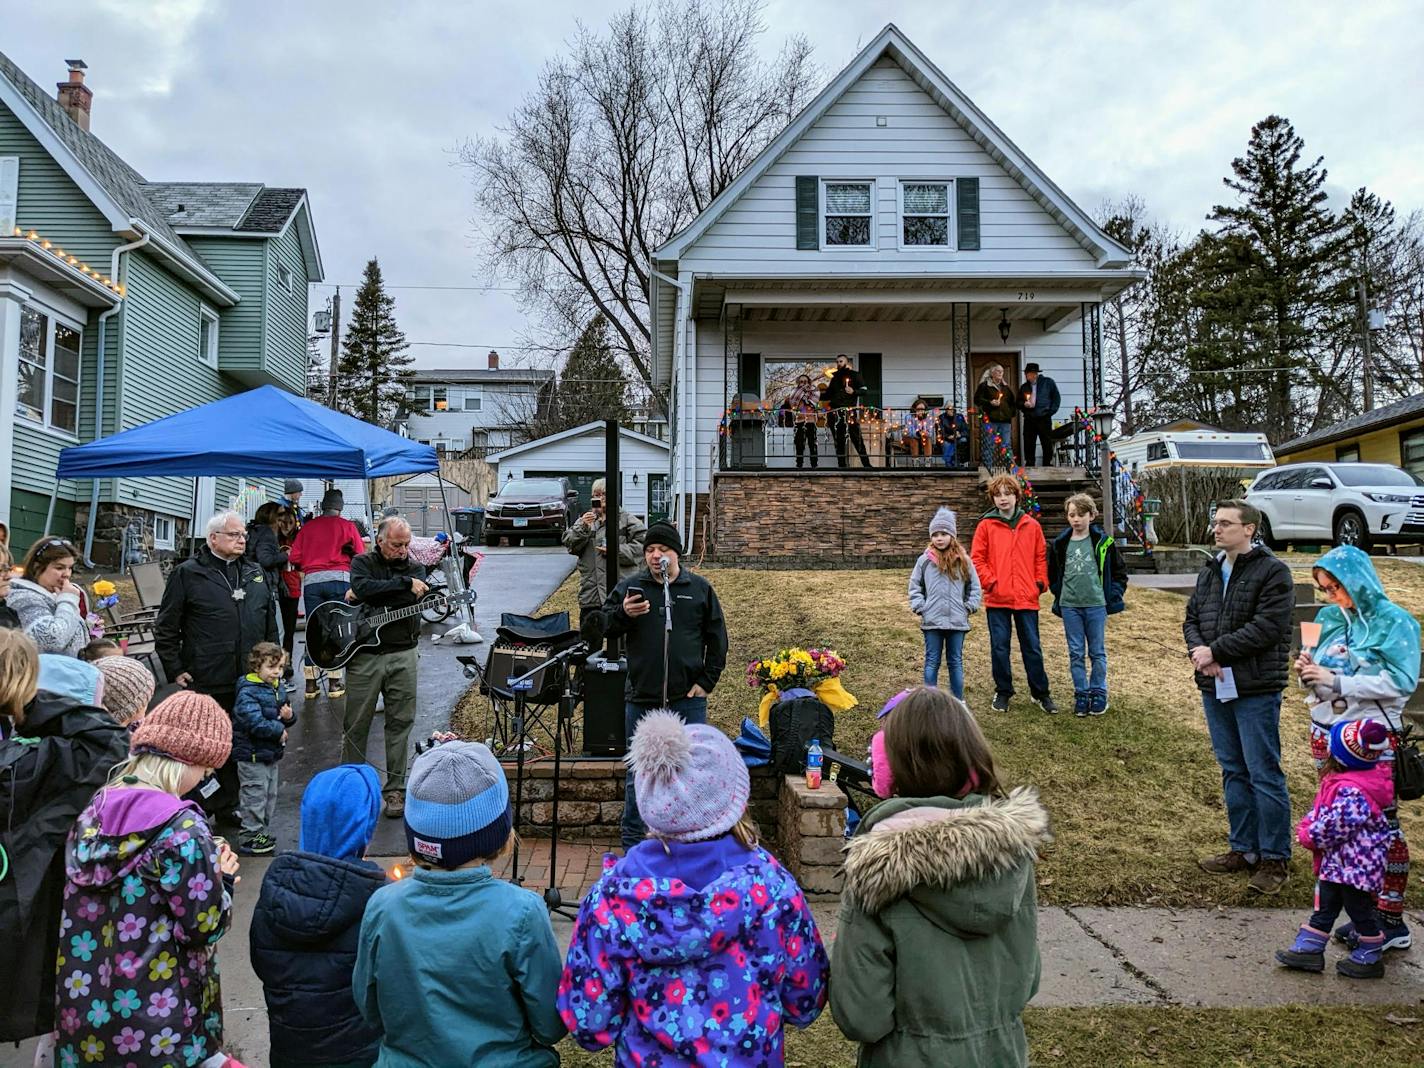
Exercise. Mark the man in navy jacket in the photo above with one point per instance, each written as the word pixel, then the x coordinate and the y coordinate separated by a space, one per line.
pixel 1039 398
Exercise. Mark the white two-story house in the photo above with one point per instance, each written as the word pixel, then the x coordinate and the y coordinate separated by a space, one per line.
pixel 480 410
pixel 891 221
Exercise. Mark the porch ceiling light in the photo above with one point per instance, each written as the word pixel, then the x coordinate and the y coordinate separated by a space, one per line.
pixel 1004 325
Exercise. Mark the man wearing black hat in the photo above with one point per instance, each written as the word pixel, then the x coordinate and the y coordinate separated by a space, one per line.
pixel 1039 399
pixel 695 647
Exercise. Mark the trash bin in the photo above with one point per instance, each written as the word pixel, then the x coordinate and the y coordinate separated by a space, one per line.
pixel 470 523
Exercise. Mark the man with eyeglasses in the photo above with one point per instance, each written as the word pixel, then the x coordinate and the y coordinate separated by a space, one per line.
pixel 1238 628
pixel 588 540
pixel 216 607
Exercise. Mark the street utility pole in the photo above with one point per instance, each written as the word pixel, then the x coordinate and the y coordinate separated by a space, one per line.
pixel 335 343
pixel 1363 290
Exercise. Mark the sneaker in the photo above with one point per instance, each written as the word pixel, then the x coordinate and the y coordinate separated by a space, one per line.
pixel 1080 704
pixel 1001 702
pixel 1270 876
pixel 395 804
pixel 1046 703
pixel 1396 936
pixel 259 845
pixel 1097 703
pixel 1228 863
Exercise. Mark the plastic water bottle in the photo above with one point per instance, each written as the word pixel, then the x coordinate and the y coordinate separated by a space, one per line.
pixel 813 765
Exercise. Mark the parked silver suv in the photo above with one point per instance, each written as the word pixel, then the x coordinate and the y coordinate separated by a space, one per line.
pixel 1344 503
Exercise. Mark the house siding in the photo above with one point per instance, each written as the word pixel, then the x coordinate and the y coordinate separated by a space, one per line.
pixel 284 353
pixel 757 234
pixel 585 453
pixel 239 263
pixel 1376 446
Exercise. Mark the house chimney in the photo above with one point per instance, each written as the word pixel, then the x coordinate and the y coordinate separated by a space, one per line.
pixel 493 360
pixel 74 96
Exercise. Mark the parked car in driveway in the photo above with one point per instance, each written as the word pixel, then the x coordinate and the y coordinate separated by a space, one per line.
pixel 1344 503
pixel 530 507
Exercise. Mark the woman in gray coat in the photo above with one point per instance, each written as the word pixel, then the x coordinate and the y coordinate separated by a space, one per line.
pixel 944 593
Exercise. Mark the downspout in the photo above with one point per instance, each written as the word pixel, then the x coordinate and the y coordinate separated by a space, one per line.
pixel 679 348
pixel 99 392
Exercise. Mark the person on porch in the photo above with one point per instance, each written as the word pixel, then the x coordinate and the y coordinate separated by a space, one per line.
pixel 995 400
pixel 954 437
pixel 803 403
pixel 919 434
pixel 1039 399
pixel 844 396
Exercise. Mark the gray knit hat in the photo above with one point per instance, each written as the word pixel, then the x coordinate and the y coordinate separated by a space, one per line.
pixel 944 520
pixel 292 486
pixel 128 687
pixel 691 782
pixel 332 501
pixel 457 805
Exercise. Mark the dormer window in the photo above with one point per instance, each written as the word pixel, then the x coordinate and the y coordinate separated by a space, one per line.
pixel 848 210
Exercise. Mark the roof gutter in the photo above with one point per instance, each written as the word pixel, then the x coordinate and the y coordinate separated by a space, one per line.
pixel 114 266
pixel 686 397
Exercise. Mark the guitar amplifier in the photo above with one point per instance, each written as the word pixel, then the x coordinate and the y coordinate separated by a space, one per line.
pixel 603 723
pixel 510 661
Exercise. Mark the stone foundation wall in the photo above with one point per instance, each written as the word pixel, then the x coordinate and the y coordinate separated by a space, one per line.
pixel 813 826
pixel 109 527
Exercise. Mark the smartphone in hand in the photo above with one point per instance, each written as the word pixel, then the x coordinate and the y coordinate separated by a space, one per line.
pixel 636 593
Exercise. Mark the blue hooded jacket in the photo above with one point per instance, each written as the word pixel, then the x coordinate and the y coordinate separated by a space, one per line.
pixel 307 924
pixel 256 722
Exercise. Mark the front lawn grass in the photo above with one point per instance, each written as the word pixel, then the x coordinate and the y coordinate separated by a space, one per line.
pixel 1135 795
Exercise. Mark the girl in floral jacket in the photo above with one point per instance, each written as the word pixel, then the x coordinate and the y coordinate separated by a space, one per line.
pixel 696 946
pixel 147 895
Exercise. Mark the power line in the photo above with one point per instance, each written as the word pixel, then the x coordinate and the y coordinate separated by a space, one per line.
pixel 463 289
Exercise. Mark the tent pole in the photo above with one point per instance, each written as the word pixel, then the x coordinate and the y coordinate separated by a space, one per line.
pixel 456 575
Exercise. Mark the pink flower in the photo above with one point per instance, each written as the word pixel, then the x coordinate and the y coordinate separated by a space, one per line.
pixel 69 1020
pixel 163 1002
pixel 129 1040
pixel 131 927
pixel 127 964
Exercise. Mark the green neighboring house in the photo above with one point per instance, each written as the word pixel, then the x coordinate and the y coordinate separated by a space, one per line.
pixel 198 290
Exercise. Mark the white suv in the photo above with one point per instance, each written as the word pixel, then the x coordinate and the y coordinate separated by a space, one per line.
pixel 1344 503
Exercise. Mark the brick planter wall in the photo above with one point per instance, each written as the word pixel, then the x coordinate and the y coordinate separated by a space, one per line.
pixel 812 834
pixel 591 799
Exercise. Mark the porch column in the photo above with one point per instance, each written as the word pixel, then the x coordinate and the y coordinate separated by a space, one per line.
pixel 12 300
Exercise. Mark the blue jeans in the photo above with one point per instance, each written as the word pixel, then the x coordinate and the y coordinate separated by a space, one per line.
pixel 950 643
pixel 316 593
pixel 1246 737
pixel 692 710
pixel 954 456
pixel 1086 631
pixel 1002 622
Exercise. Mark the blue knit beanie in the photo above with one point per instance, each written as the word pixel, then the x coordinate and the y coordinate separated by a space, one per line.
pixel 340 808
pixel 456 805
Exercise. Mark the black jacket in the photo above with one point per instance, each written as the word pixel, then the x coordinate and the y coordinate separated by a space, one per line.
pixel 8 619
pixel 203 630
pixel 304 935
pixel 697 646
pixel 995 402
pixel 264 550
pixel 45 782
pixel 1047 397
pixel 1112 569
pixel 381 585
pixel 1249 630
pixel 837 397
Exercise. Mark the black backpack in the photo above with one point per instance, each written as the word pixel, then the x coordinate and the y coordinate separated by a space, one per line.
pixel 794 723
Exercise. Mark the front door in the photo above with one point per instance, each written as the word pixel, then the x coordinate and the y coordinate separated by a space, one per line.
pixel 657 498
pixel 979 364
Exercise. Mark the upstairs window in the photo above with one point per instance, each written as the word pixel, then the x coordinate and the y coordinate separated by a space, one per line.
pixel 924 214
pixel 284 277
pixel 208 337
pixel 848 212
pixel 48 365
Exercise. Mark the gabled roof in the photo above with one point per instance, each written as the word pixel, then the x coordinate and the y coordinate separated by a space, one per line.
pixel 891 42
pixel 247 209
pixel 426 376
pixel 577 431
pixel 1398 412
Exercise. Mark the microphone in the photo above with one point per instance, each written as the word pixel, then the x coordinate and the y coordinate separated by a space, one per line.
pixel 663 567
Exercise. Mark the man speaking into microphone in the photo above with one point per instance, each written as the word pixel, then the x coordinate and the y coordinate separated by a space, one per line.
pixel 677 644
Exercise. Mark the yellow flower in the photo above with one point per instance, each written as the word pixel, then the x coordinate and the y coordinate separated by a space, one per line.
pixel 104 588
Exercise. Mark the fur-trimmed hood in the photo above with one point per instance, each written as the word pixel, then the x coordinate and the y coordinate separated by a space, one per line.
pixel 961 863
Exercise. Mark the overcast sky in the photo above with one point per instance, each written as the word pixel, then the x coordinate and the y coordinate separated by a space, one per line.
pixel 365 103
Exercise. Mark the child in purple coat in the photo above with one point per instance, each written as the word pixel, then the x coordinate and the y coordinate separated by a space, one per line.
pixel 1347 830
pixel 697 945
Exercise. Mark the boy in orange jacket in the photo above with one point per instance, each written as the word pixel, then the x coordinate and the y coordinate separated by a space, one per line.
pixel 1011 559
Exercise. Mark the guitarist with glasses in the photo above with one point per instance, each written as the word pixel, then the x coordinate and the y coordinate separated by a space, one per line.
pixel 383 579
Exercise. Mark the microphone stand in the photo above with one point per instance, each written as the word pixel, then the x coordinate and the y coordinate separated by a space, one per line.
pixel 667 625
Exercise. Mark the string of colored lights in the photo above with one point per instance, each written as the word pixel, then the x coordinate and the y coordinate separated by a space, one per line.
pixel 1138 497
pixel 73 261
pixel 1007 459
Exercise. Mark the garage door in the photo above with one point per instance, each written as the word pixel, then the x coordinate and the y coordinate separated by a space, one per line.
pixel 580 480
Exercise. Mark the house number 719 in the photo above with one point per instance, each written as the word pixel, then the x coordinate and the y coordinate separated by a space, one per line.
pixel 1026 294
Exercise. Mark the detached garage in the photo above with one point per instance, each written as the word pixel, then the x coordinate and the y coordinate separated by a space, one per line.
pixel 418 499
pixel 578 455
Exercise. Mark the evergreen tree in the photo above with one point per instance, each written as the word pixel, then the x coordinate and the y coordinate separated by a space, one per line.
pixel 593 384
pixel 1273 278
pixel 372 374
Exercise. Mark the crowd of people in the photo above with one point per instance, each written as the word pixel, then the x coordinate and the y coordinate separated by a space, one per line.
pixel 695 946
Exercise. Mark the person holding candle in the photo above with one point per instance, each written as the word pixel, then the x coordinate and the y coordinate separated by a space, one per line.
pixel 1362 664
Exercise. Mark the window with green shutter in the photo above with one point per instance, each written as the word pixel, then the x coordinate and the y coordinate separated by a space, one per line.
pixel 808 210
pixel 868 364
pixel 749 374
pixel 966 197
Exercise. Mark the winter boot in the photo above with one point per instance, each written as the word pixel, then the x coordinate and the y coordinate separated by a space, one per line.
pixel 336 684
pixel 1366 960
pixel 309 674
pixel 1396 935
pixel 1307 953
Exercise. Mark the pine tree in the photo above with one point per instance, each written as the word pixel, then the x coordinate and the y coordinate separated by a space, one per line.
pixel 1274 265
pixel 372 374
pixel 592 385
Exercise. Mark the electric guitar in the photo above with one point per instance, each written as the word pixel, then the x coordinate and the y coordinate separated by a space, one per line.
pixel 337 631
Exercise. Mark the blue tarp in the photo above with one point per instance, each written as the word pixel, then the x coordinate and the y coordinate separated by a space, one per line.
pixel 263 433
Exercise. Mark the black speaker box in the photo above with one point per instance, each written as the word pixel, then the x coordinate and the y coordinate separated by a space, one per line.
pixel 603 723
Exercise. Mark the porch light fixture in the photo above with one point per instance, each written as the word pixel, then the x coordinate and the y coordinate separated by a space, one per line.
pixel 635 478
pixel 1004 325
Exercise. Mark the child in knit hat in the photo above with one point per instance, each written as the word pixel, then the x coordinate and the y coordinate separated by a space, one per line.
pixel 697 944
pixel 1348 833
pixel 944 593
pixel 128 687
pixel 455 966
pixel 307 924
pixel 148 893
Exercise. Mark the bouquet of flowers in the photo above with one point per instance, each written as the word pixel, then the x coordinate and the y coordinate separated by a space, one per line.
pixel 818 670
pixel 106 595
